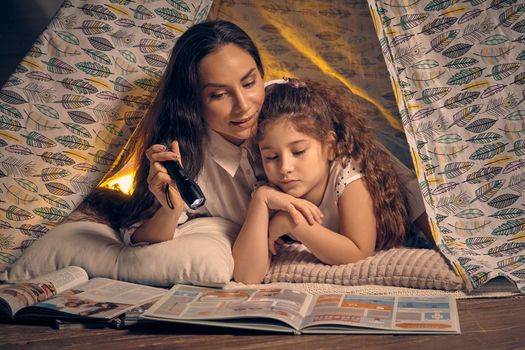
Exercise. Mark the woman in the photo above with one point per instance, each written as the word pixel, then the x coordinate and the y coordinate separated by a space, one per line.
pixel 209 101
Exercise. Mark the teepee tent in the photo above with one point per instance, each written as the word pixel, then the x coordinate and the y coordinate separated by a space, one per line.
pixel 446 76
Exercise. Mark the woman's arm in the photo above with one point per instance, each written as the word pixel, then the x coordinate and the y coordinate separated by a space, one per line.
pixel 357 225
pixel 159 228
pixel 162 225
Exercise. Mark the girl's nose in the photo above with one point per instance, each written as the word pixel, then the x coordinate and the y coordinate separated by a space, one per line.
pixel 286 165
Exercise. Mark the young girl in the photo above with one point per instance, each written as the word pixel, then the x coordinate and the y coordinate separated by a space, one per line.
pixel 312 147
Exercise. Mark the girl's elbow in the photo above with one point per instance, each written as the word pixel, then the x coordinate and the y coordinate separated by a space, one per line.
pixel 355 257
pixel 367 253
pixel 364 253
pixel 246 278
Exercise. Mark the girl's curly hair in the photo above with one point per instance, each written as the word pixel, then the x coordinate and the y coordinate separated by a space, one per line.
pixel 315 110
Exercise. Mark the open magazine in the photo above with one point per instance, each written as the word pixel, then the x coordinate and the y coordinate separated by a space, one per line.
pixel 292 311
pixel 68 294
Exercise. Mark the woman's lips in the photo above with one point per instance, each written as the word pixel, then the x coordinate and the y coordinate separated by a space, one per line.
pixel 244 123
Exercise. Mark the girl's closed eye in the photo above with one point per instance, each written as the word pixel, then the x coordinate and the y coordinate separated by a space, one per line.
pixel 270 157
pixel 298 153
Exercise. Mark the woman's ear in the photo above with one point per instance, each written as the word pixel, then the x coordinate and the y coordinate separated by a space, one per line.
pixel 330 143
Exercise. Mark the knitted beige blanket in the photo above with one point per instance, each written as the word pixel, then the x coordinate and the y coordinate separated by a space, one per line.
pixel 401 267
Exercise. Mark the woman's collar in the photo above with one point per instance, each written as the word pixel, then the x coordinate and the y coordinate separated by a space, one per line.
pixel 225 153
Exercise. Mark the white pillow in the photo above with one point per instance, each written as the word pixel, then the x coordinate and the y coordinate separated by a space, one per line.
pixel 200 253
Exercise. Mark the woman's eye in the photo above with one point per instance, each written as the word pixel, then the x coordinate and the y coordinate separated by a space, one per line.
pixel 218 95
pixel 269 158
pixel 298 153
pixel 249 84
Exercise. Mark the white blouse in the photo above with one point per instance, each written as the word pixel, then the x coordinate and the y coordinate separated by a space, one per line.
pixel 226 179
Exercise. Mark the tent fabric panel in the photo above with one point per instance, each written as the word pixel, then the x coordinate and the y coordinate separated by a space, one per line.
pixel 457 70
pixel 73 102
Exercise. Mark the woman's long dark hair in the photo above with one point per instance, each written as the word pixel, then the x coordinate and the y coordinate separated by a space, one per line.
pixel 315 110
pixel 174 115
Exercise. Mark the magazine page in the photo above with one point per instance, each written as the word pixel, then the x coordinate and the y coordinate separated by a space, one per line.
pixel 14 297
pixel 351 310
pixel 63 279
pixel 97 298
pixel 197 303
pixel 427 313
pixel 402 314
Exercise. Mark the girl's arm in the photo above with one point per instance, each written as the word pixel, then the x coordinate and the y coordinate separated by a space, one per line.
pixel 250 251
pixel 357 225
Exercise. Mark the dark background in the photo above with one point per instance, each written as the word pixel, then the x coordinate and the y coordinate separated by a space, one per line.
pixel 21 21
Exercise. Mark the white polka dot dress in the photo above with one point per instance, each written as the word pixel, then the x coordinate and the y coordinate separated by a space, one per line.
pixel 339 178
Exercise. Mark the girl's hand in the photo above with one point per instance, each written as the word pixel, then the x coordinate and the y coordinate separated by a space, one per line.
pixel 280 225
pixel 158 176
pixel 297 208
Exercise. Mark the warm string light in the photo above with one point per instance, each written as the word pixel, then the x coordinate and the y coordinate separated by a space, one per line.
pixel 121 183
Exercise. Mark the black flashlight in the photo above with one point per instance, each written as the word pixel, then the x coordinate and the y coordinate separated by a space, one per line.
pixel 190 192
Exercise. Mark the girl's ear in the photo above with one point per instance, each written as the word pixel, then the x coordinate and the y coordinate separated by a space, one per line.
pixel 330 143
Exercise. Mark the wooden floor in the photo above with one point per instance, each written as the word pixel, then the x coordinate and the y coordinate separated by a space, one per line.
pixel 485 324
